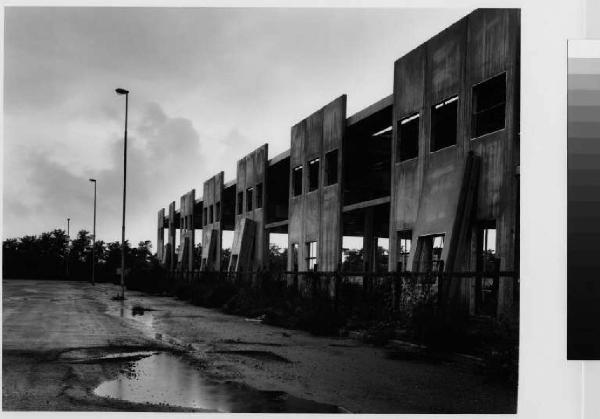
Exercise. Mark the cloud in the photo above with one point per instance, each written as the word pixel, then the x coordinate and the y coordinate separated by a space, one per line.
pixel 171 138
pixel 162 151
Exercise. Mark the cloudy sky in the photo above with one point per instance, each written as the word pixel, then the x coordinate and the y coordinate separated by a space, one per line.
pixel 208 85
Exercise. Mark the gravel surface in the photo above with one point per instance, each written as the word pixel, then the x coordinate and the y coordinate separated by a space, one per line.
pixel 50 327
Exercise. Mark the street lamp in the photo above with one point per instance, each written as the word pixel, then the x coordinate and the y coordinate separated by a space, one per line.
pixel 126 93
pixel 68 244
pixel 94 237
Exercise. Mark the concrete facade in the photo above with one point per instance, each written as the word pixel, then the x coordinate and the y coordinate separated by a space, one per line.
pixel 170 254
pixel 315 212
pixel 187 231
pixel 433 168
pixel 212 229
pixel 426 189
pixel 251 204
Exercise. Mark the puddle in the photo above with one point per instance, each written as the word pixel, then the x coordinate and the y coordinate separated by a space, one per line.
pixel 139 310
pixel 163 378
pixel 137 313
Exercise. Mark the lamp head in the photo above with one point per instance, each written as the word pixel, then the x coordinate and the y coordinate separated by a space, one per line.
pixel 121 91
pixel 92 180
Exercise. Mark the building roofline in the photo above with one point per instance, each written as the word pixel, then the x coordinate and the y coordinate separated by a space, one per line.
pixel 370 110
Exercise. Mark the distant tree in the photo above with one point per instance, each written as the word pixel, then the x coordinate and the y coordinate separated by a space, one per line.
pixel 277 258
pixel 10 258
pixel 353 261
pixel 81 247
pixel 225 258
pixel 142 254
pixel 382 259
pixel 100 252
pixel 53 247
pixel 197 256
pixel 29 257
pixel 112 260
pixel 35 257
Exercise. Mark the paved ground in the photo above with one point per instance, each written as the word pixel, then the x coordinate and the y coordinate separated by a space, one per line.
pixel 45 321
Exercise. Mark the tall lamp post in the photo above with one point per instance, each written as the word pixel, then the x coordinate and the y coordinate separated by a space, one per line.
pixel 126 93
pixel 68 244
pixel 94 238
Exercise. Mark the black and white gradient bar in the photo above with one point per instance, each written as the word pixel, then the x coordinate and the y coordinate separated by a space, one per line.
pixel 583 209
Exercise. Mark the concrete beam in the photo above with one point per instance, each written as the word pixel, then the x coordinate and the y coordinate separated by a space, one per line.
pixel 366 204
pixel 370 110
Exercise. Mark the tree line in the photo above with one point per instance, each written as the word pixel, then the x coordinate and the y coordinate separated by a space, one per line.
pixel 51 255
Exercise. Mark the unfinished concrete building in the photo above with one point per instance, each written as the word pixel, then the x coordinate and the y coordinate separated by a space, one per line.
pixel 433 167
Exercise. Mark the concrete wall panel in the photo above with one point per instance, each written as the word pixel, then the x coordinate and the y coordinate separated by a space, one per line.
pixel 297 144
pixel 445 61
pixel 187 231
pixel 213 193
pixel 409 87
pixel 331 229
pixel 439 194
pixel 160 238
pixel 316 215
pixel 252 171
pixel 171 235
pixel 314 130
pixel 488 42
pixel 407 185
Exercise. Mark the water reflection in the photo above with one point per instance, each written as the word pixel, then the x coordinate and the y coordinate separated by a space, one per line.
pixel 137 313
pixel 164 378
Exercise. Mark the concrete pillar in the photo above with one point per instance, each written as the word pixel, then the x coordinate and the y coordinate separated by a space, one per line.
pixel 171 238
pixel 369 245
pixel 160 239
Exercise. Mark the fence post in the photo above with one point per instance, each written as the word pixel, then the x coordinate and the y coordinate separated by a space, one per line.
pixel 442 281
pixel 398 286
pixel 336 286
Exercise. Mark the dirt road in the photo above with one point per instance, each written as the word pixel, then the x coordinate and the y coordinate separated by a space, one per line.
pixel 62 339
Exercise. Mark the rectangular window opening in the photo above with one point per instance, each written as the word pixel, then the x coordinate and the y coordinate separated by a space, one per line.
pixel 297 181
pixel 408 138
pixel 431 253
pixel 295 257
pixel 331 167
pixel 489 106
pixel 249 193
pixel 487 283
pixel 240 202
pixel 313 175
pixel 444 117
pixel 259 195
pixel 311 259
pixel 211 214
pixel 205 216
pixel 404 248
